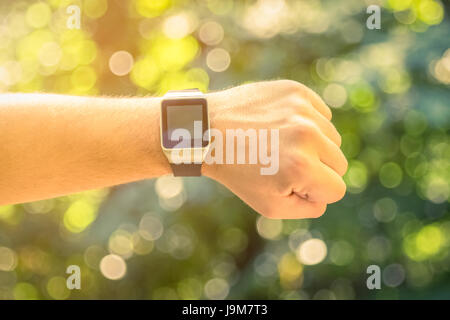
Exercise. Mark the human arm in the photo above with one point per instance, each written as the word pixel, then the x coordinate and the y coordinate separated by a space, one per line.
pixel 53 145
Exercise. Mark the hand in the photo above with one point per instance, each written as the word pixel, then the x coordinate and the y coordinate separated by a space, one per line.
pixel 311 164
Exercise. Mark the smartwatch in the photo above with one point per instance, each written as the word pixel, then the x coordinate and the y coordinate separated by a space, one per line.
pixel 185 136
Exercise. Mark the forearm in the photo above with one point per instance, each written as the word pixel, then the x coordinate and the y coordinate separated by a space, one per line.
pixel 51 145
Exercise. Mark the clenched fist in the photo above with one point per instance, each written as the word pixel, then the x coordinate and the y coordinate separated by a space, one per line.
pixel 311 164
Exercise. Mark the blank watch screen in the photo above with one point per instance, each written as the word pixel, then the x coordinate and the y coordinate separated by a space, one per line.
pixel 191 118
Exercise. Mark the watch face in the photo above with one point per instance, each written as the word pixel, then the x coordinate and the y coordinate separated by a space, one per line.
pixel 184 123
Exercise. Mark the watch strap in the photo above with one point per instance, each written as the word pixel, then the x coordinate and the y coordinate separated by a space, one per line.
pixel 186 170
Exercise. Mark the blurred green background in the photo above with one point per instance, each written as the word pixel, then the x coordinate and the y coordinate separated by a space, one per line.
pixel 191 238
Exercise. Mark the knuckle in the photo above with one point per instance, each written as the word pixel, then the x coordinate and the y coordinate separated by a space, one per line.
pixel 301 161
pixel 295 122
pixel 300 106
pixel 291 166
pixel 290 84
pixel 304 127
pixel 310 128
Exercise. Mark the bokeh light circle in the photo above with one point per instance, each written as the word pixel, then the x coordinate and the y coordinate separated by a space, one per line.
pixel 8 259
pixel 269 228
pixel 150 227
pixel 218 60
pixel 393 275
pixel 335 95
pixel 113 267
pixel 121 63
pixel 211 33
pixel 216 289
pixel 312 251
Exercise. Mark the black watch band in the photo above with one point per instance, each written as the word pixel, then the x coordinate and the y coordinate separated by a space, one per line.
pixel 186 170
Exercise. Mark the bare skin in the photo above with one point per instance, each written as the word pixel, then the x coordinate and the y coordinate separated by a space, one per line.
pixel 53 145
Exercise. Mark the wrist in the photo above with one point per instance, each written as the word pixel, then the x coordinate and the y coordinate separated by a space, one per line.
pixel 157 163
pixel 216 108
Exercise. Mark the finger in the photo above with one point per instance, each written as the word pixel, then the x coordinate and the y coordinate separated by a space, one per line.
pixel 331 155
pixel 317 102
pixel 324 184
pixel 323 123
